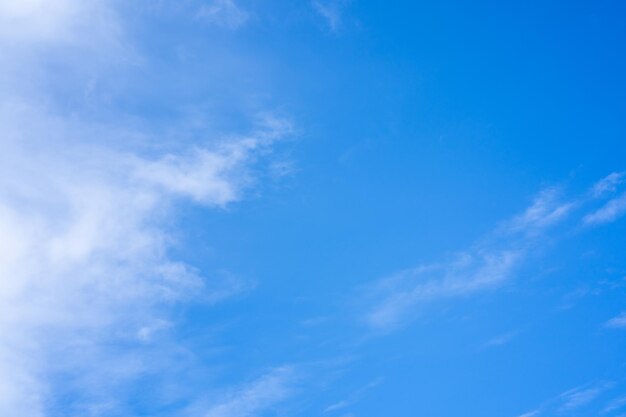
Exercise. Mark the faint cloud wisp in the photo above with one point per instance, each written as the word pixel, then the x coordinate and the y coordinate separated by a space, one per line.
pixel 223 13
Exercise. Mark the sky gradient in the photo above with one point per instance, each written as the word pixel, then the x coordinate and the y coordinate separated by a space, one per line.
pixel 342 208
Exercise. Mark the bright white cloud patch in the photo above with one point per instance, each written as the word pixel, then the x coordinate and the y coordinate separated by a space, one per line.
pixel 84 241
pixel 39 19
pixel 83 247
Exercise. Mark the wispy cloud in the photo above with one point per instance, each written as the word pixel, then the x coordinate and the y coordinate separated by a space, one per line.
pixel 211 176
pixel 491 262
pixel 501 339
pixel 487 265
pixel 223 13
pixel 530 414
pixel 468 273
pixel 85 221
pixel 608 213
pixel 331 11
pixel 257 397
pixel 615 404
pixel 613 206
pixel 587 398
pixel 608 184
pixel 580 397
pixel 84 239
pixel 618 322
pixel 546 210
pixel 37 20
pixel 354 398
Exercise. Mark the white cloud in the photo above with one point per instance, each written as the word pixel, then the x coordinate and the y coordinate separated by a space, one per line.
pixel 211 176
pixel 571 402
pixel 224 13
pixel 490 263
pixel 501 339
pixel 487 265
pixel 330 11
pixel 530 414
pixel 83 241
pixel 397 296
pixel 84 220
pixel 578 397
pixel 39 19
pixel 615 404
pixel 43 40
pixel 608 213
pixel 612 209
pixel 608 184
pixel 340 405
pixel 617 322
pixel 252 399
pixel 354 398
pixel 546 210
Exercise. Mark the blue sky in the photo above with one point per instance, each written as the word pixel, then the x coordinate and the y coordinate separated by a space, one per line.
pixel 350 208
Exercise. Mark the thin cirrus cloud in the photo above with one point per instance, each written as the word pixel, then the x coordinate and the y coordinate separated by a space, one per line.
pixel 530 414
pixel 608 184
pixel 467 273
pixel 618 322
pixel 487 265
pixel 615 404
pixel 84 231
pixel 258 396
pixel 496 259
pixel 355 397
pixel 611 211
pixel 577 398
pixel 501 340
pixel 330 11
pixel 591 399
pixel 223 13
